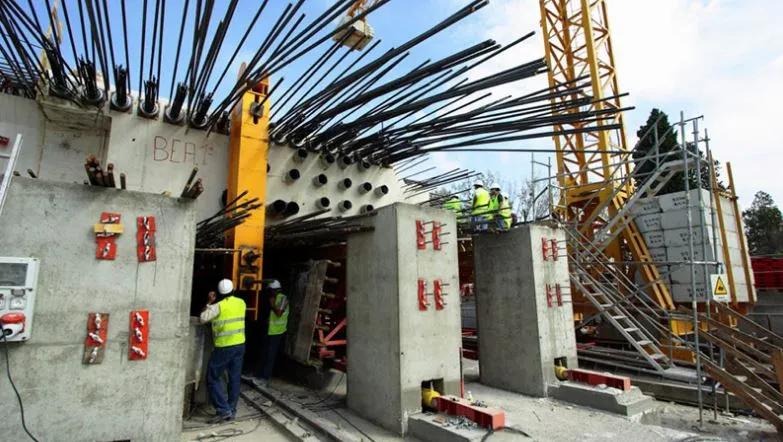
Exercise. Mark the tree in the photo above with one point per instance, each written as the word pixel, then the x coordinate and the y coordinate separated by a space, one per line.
pixel 658 131
pixel 764 226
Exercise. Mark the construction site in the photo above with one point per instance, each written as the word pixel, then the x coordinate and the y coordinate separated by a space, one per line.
pixel 190 189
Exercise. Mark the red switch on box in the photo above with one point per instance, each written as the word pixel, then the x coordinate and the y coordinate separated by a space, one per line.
pixel 145 238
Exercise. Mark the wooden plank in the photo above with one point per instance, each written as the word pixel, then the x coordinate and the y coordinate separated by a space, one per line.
pixel 742 357
pixel 774 396
pixel 305 299
pixel 777 364
pixel 740 390
pixel 775 338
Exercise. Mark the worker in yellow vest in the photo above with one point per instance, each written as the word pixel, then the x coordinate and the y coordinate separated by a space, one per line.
pixel 480 206
pixel 454 204
pixel 278 325
pixel 499 208
pixel 228 334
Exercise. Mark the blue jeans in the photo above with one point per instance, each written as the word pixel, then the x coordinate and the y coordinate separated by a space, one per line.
pixel 480 223
pixel 225 359
pixel 266 368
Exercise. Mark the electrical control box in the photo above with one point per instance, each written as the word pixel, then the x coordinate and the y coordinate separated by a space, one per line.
pixel 18 282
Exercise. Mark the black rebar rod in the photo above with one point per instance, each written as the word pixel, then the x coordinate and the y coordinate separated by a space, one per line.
pixel 143 40
pixel 125 40
pixel 154 38
pixel 68 27
pixel 239 45
pixel 160 44
pixel 97 37
pixel 179 47
pixel 110 40
pixel 106 69
pixel 244 80
pixel 264 71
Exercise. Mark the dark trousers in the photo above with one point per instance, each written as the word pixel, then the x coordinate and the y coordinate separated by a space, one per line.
pixel 266 366
pixel 225 359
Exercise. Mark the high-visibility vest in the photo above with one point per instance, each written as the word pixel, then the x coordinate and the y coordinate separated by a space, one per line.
pixel 505 210
pixel 278 324
pixel 453 204
pixel 481 201
pixel 228 328
pixel 493 205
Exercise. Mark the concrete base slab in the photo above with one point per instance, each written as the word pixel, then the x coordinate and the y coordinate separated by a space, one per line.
pixel 626 403
pixel 435 428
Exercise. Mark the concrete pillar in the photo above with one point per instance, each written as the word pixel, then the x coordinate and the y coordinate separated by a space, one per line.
pixel 520 333
pixel 393 345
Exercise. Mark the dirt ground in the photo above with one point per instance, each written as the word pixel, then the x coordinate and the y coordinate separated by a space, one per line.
pixel 543 419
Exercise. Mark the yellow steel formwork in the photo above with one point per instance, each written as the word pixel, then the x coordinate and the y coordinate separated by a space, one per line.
pixel 249 145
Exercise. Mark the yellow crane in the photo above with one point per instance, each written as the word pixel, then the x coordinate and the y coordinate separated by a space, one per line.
pixel 592 166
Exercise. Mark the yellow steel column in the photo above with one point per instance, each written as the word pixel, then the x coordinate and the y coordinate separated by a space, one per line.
pixel 249 145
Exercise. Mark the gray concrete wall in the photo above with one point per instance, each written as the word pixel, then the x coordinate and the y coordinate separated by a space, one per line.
pixel 392 345
pixel 118 399
pixel 519 334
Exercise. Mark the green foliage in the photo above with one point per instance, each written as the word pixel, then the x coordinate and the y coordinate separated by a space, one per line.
pixel 658 131
pixel 763 226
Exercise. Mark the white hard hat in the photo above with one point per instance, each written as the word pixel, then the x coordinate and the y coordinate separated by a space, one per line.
pixel 274 284
pixel 495 186
pixel 479 183
pixel 225 286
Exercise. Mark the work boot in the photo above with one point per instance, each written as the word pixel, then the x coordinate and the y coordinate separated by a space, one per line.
pixel 221 418
pixel 261 383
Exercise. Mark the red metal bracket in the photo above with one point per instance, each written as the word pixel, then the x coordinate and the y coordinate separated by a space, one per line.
pixel 106 247
pixel 145 238
pixel 594 378
pixel 437 228
pixel 554 250
pixel 489 418
pixel 559 295
pixel 139 337
pixel 545 248
pixel 95 341
pixel 423 302
pixel 440 303
pixel 421 241
pixel 549 296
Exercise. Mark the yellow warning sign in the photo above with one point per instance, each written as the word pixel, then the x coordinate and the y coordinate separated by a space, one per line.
pixel 720 288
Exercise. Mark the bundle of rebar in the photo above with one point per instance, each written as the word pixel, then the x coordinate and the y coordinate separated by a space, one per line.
pixel 309 228
pixel 97 176
pixel 192 189
pixel 211 232
pixel 345 102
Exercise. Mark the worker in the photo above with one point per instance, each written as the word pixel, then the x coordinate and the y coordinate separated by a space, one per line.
pixel 228 333
pixel 278 324
pixel 454 204
pixel 499 207
pixel 480 206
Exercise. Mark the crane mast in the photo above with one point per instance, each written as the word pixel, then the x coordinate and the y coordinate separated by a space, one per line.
pixel 593 167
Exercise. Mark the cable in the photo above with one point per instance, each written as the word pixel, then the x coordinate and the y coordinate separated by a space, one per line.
pixel 509 429
pixel 8 373
pixel 353 425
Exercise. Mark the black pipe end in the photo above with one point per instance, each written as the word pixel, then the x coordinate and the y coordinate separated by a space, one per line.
pixel 347 183
pixel 346 205
pixel 329 158
pixel 291 208
pixel 366 186
pixel 120 107
pixel 324 202
pixel 279 206
pixel 322 179
pixel 144 110
pixel 294 174
pixel 368 208
pixel 267 168
pixel 383 190
pixel 301 153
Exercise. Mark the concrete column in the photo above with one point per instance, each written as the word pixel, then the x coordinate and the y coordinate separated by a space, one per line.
pixel 520 334
pixel 393 346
